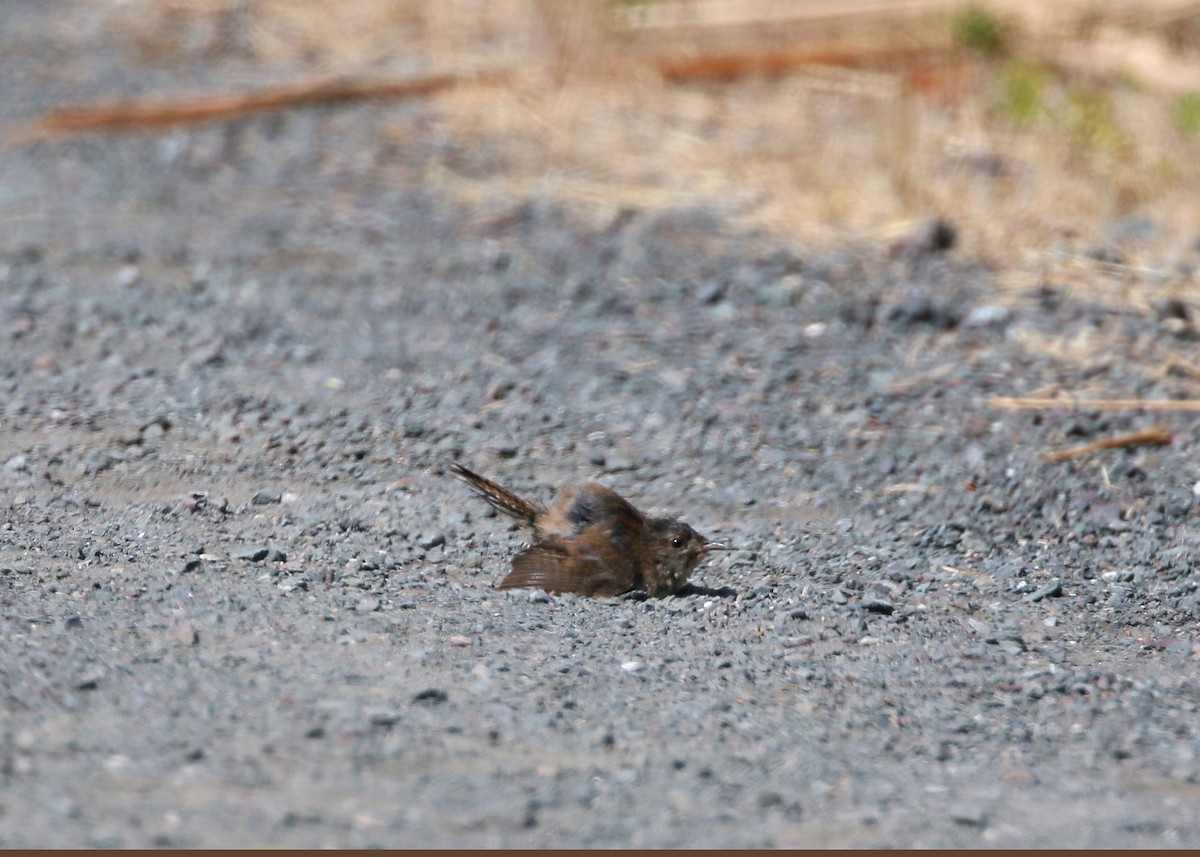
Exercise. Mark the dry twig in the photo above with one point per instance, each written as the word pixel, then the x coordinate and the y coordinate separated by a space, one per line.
pixel 1159 435
pixel 1018 404
pixel 147 114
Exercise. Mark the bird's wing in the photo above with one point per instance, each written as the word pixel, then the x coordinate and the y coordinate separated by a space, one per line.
pixel 557 566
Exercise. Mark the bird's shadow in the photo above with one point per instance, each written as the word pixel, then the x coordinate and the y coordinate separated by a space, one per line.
pixel 689 589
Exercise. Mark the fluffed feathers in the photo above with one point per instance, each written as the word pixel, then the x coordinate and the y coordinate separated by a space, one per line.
pixel 557 566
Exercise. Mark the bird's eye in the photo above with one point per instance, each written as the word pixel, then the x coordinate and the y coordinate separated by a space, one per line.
pixel 677 542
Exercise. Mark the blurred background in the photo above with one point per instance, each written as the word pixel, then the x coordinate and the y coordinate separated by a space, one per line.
pixel 1052 136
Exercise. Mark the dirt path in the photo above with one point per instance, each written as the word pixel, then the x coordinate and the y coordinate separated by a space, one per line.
pixel 242 603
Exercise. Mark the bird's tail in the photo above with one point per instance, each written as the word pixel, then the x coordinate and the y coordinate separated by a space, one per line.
pixel 500 498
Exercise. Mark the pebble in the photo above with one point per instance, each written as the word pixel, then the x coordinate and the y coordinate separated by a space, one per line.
pixel 782 293
pixel 266 497
pixel 713 293
pixel 916 308
pixel 90 680
pixel 879 605
pixel 617 463
pixel 207 354
pixel 768 799
pixel 988 315
pixel 431 696
pixel 1012 645
pixel 1053 589
pixel 250 553
pixel 982 629
pixel 127 275
pixel 968 815
pixel 429 541
pixel 388 719
pixel 186 634
pixel 931 235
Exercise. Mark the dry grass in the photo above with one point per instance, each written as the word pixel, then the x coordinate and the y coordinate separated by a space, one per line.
pixel 1034 152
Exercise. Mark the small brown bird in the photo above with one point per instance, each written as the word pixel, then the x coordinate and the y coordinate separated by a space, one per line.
pixel 592 541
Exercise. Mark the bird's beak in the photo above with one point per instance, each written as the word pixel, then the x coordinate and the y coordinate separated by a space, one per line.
pixel 716 546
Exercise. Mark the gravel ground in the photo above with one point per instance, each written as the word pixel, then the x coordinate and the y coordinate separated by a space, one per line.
pixel 243 603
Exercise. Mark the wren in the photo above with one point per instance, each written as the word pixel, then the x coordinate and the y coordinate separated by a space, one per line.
pixel 592 541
